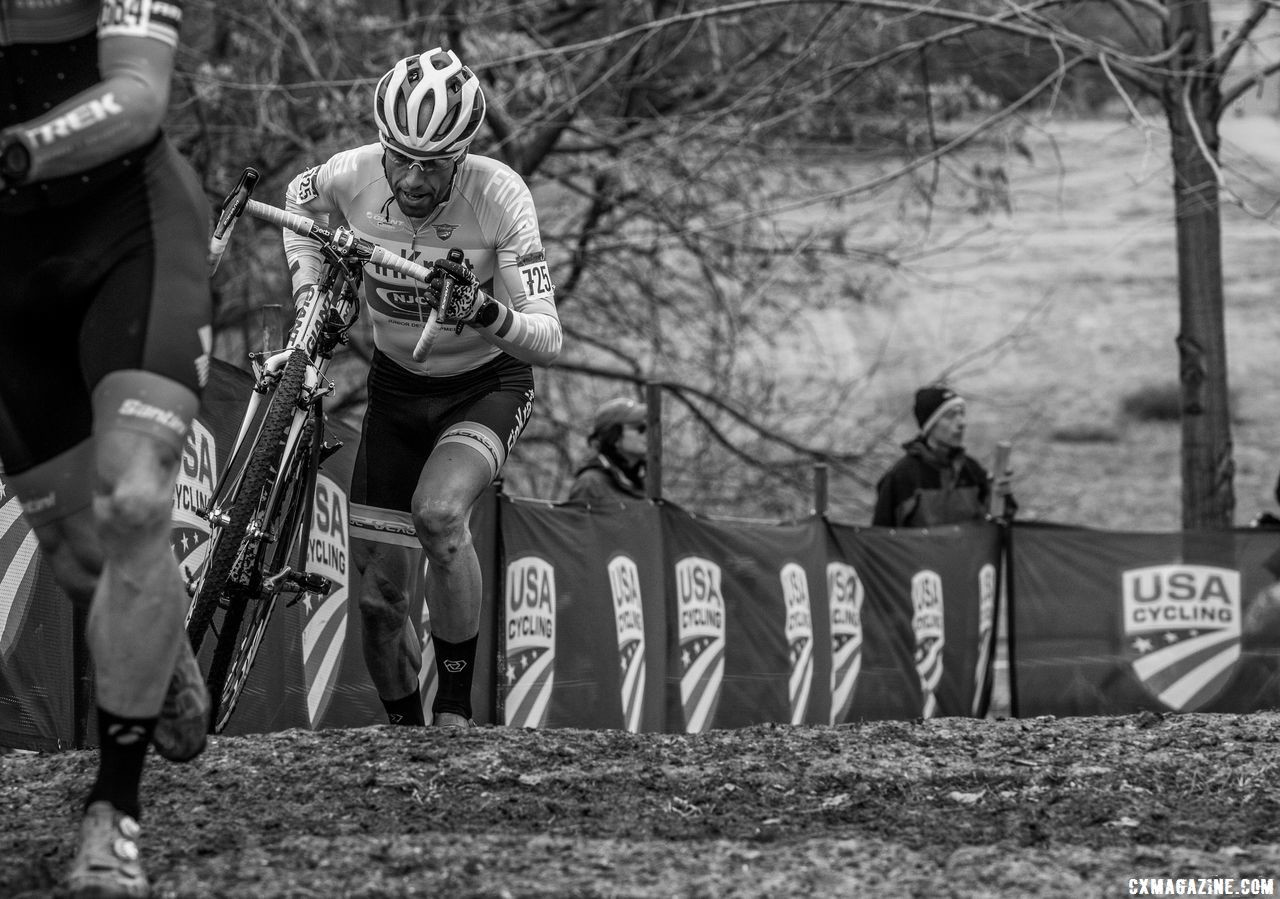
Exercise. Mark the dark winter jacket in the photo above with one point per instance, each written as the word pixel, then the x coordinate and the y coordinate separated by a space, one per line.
pixel 600 482
pixel 929 487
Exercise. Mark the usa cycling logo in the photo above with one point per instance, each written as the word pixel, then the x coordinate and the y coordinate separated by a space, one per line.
pixel 701 636
pixel 1182 627
pixel 927 622
pixel 845 595
pixel 428 677
pixel 986 632
pixel 17 563
pixel 799 633
pixel 324 629
pixel 628 612
pixel 189 534
pixel 530 640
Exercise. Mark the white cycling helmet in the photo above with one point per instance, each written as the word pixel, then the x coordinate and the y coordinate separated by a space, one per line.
pixel 429 104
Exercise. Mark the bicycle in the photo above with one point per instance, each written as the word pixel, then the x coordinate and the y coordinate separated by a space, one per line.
pixel 259 511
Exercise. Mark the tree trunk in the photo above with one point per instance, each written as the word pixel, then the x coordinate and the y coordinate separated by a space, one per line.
pixel 1191 104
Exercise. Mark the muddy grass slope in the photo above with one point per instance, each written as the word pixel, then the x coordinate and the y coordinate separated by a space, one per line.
pixel 950 807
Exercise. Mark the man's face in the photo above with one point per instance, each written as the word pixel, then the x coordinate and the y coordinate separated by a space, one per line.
pixel 633 443
pixel 948 432
pixel 419 185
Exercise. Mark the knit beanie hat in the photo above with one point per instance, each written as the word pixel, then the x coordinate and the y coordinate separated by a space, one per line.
pixel 932 403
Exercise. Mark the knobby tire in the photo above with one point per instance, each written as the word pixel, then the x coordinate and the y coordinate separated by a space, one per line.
pixel 291 525
pixel 216 587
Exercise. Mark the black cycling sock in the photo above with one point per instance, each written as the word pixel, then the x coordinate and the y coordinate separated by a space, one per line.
pixel 122 750
pixel 455 668
pixel 406 711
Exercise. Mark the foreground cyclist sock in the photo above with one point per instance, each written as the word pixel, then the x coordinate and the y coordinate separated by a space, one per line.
pixel 455 667
pixel 122 750
pixel 405 711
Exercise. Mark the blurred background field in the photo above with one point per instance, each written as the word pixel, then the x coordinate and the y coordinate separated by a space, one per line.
pixel 1055 311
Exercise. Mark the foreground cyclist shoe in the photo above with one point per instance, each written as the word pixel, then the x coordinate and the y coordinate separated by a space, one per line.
pixel 452 721
pixel 184 719
pixel 106 866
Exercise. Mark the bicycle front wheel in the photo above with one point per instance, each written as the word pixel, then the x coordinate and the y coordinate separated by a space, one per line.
pixel 232 577
pixel 289 528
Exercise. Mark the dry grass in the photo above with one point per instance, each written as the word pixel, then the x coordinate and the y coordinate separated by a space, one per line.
pixel 1054 311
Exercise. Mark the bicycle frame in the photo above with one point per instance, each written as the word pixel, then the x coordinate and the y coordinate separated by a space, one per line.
pixel 334 295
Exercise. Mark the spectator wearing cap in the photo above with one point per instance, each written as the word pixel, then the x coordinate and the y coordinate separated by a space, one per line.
pixel 936 481
pixel 615 473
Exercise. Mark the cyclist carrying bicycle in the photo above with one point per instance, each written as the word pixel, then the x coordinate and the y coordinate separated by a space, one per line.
pixel 438 429
pixel 106 308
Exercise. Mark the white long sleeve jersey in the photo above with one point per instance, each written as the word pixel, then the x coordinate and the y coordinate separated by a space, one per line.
pixel 489 216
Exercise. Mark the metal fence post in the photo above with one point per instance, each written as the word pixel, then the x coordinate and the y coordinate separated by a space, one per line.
pixel 653 453
pixel 820 489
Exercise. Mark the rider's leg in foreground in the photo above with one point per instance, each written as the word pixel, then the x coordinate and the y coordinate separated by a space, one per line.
pixel 451 483
pixel 115 556
pixel 392 652
pixel 452 480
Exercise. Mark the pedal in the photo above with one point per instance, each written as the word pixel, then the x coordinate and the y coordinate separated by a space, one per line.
pixel 299 583
pixel 313 583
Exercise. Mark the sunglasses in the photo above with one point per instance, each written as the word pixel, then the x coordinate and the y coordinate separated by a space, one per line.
pixel 639 429
pixel 433 166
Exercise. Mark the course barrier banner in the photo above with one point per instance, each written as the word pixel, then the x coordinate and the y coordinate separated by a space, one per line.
pixel 717 623
pixel 1107 623
pixel 750 634
pixel 928 612
pixel 583 620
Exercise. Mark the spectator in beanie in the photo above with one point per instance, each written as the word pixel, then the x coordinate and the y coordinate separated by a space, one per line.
pixel 615 473
pixel 936 481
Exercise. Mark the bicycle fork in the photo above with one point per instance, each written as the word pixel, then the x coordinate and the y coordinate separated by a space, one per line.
pixel 287 579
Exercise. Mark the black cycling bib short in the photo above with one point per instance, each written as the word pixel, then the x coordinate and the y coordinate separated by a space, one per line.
pixel 408 414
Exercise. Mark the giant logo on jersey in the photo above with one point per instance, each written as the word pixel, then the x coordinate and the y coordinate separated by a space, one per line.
pixel 1182 631
pixel 700 635
pixel 531 640
pixel 845 595
pixel 324 628
pixel 17 570
pixel 799 633
pixel 189 534
pixel 628 613
pixel 927 623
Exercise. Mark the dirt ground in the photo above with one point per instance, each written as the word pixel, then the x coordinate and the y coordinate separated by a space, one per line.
pixel 946 807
